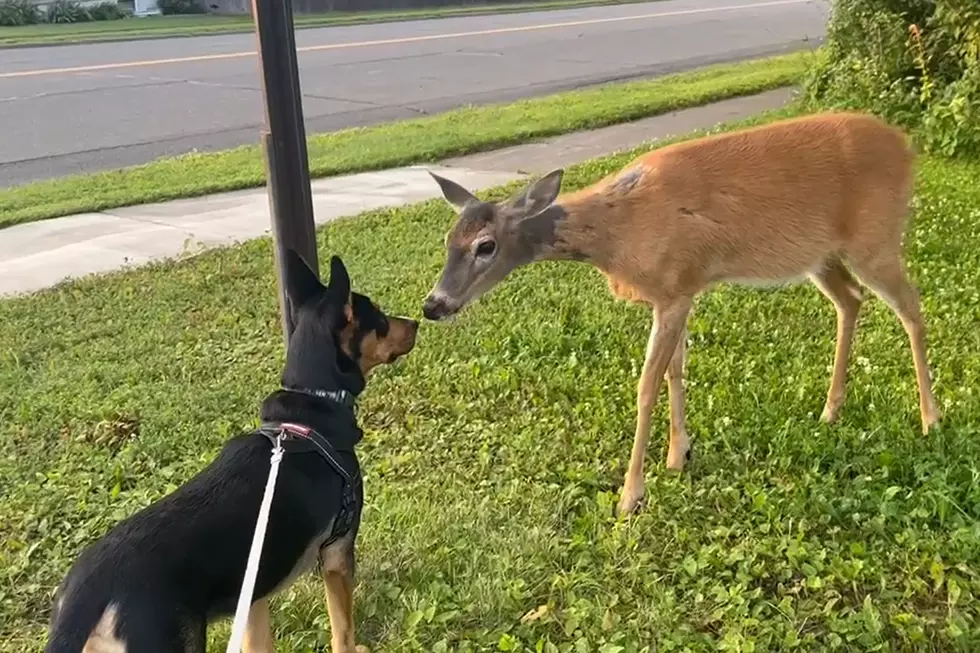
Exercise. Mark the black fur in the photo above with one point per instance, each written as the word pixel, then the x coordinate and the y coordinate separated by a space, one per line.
pixel 180 562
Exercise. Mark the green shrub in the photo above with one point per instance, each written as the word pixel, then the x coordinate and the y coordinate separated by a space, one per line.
pixel 108 11
pixel 169 7
pixel 913 62
pixel 14 13
pixel 67 11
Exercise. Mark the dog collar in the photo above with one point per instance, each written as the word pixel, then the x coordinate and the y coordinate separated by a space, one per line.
pixel 341 397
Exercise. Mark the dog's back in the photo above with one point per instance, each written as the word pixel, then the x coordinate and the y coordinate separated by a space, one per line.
pixel 128 591
pixel 157 577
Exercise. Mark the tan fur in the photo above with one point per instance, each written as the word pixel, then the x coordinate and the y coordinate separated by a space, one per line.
pixel 103 638
pixel 823 197
pixel 764 204
pixel 772 204
pixel 374 350
pixel 258 629
pixel 337 565
pixel 336 562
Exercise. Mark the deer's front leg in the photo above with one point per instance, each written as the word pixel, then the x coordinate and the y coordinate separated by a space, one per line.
pixel 668 327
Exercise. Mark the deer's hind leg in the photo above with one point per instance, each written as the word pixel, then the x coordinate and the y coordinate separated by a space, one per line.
pixel 840 287
pixel 884 272
pixel 680 446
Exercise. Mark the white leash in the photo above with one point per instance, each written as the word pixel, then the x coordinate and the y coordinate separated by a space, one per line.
pixel 252 569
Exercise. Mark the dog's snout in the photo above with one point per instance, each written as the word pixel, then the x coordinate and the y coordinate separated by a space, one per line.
pixel 413 325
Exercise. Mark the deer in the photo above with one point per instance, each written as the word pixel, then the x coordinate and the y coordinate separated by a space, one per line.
pixel 823 197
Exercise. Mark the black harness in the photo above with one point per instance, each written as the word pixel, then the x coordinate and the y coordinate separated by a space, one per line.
pixel 297 438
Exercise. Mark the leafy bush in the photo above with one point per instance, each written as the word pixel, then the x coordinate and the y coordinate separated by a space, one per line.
pixel 14 13
pixel 67 11
pixel 914 62
pixel 169 7
pixel 108 11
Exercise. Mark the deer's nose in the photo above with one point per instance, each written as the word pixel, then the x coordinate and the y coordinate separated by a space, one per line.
pixel 434 307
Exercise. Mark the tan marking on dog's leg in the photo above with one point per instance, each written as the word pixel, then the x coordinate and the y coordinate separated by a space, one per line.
pixel 837 284
pixel 680 445
pixel 258 629
pixel 103 638
pixel 337 562
pixel 668 326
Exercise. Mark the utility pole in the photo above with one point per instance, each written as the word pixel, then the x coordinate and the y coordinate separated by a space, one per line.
pixel 287 167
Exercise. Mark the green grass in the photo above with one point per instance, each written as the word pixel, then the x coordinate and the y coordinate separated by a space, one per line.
pixel 199 25
pixel 454 133
pixel 494 451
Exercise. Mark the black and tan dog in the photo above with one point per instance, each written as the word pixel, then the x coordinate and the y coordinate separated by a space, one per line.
pixel 155 581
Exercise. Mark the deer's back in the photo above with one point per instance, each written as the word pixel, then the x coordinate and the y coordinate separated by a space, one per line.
pixel 768 202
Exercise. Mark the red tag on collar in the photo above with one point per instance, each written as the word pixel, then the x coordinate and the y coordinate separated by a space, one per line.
pixel 296 429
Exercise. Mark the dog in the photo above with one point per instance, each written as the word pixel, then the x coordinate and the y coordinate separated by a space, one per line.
pixel 156 580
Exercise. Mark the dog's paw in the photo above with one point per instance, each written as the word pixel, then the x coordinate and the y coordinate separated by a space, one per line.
pixel 361 648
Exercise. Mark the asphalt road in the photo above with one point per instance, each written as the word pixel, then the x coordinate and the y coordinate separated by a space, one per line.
pixel 82 108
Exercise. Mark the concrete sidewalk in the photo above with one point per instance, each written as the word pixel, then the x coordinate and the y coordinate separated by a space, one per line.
pixel 40 254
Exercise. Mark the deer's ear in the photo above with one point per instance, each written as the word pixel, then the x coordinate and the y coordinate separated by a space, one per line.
pixel 539 194
pixel 455 194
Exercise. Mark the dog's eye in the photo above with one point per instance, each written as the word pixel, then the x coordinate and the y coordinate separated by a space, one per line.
pixel 486 248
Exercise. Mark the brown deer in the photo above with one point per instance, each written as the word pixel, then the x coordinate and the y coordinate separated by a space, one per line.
pixel 794 199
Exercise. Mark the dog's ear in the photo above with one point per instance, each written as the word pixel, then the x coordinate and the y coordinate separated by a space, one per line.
pixel 339 287
pixel 301 283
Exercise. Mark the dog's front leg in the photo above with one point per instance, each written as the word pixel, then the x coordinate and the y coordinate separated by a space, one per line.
pixel 258 629
pixel 337 561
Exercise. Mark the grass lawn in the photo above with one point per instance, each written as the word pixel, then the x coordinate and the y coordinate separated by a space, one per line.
pixel 462 131
pixel 197 25
pixel 493 453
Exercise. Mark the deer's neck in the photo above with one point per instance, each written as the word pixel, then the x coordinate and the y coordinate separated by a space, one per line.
pixel 571 229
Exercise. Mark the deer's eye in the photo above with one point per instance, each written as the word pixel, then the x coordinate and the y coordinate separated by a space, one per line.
pixel 486 248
